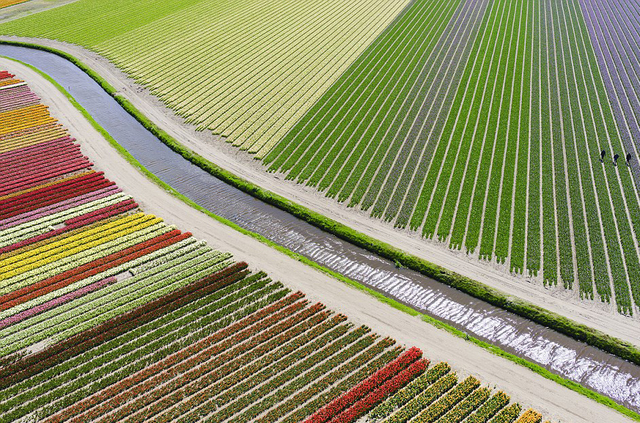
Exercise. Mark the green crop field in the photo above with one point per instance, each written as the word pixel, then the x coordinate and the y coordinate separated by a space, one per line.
pixel 244 69
pixel 489 141
pixel 477 123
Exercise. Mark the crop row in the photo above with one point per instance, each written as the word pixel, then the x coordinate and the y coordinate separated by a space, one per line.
pixel 52 194
pixel 119 346
pixel 88 255
pixel 30 219
pixel 90 269
pixel 407 394
pixel 62 299
pixel 210 350
pixel 114 299
pixel 57 215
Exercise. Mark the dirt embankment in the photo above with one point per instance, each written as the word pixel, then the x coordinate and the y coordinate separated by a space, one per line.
pixel 556 402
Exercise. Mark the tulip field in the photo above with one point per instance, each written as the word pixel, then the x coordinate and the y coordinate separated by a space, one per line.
pixel 478 124
pixel 241 87
pixel 488 138
pixel 108 314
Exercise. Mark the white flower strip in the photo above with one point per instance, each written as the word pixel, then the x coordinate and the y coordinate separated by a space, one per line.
pixel 110 301
pixel 83 257
pixel 87 302
pixel 83 241
pixel 180 248
pixel 162 260
pixel 41 225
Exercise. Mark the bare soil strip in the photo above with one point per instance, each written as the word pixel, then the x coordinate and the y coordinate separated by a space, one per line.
pixel 600 316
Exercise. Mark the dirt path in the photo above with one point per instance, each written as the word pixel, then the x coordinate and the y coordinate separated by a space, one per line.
pixel 598 315
pixel 555 401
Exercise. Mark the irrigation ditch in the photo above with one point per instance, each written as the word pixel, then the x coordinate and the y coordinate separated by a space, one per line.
pixel 571 355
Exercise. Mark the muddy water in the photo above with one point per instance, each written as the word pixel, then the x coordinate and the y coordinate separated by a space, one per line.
pixel 579 362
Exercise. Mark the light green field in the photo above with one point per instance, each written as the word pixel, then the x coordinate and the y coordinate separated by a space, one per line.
pixel 245 69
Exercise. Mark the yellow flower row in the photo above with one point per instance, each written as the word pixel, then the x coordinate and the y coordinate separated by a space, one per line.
pixel 69 241
pixel 66 248
pixel 11 115
pixel 27 123
pixel 57 181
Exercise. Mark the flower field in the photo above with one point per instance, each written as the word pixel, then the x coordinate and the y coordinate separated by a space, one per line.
pixel 242 87
pixel 109 314
pixel 488 138
pixel 479 124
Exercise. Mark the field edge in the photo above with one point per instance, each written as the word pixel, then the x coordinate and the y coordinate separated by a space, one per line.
pixel 540 315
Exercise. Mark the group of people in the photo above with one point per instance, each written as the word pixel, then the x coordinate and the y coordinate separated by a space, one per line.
pixel 615 157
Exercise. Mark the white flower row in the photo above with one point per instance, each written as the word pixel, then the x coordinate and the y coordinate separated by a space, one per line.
pixel 39 226
pixel 108 302
pixel 68 247
pixel 164 259
pixel 83 257
pixel 47 251
pixel 180 248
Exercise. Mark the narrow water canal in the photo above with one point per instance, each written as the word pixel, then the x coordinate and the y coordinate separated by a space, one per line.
pixel 589 366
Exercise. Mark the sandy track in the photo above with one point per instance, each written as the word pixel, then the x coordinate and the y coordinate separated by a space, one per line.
pixel 594 314
pixel 556 402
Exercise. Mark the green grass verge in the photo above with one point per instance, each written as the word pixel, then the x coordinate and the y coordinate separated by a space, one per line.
pixel 477 289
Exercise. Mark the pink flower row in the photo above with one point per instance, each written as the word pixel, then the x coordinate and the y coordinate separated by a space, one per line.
pixel 55 302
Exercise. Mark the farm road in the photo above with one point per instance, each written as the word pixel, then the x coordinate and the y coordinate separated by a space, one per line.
pixel 554 401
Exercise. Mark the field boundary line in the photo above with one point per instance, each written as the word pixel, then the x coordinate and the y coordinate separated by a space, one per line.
pixel 493 296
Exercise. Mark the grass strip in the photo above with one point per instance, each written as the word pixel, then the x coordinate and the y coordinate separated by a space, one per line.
pixel 474 288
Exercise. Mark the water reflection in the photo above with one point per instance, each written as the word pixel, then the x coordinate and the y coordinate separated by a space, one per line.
pixel 589 366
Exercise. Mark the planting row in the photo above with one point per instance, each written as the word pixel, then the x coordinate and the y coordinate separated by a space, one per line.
pixel 450 122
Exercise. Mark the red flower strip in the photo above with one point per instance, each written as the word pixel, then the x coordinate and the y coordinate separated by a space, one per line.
pixel 22 295
pixel 34 181
pixel 60 186
pixel 377 396
pixel 55 198
pixel 77 344
pixel 251 322
pixel 336 406
pixel 105 213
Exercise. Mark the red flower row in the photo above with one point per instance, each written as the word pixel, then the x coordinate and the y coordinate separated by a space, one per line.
pixel 44 191
pixel 156 388
pixel 105 213
pixel 40 152
pixel 336 406
pixel 102 213
pixel 94 267
pixel 77 344
pixel 374 398
pixel 11 183
pixel 9 156
pixel 56 197
pixel 177 361
pixel 33 163
pixel 55 171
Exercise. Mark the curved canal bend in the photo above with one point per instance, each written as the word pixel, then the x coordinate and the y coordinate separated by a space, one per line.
pixel 589 366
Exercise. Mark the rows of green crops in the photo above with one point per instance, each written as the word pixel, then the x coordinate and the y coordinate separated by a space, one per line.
pixel 481 124
pixel 477 123
pixel 246 69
